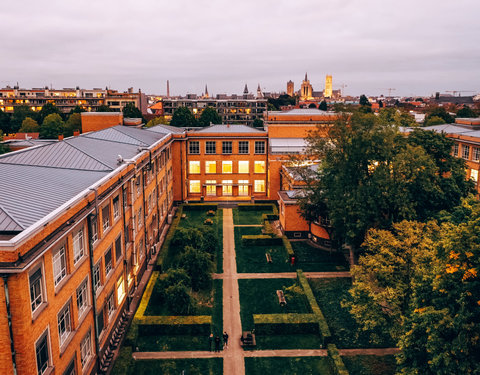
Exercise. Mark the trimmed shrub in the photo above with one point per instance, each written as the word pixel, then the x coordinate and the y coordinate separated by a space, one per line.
pixel 260 240
pixel 162 258
pixel 255 206
pixel 200 207
pixel 286 328
pixel 288 246
pixel 336 360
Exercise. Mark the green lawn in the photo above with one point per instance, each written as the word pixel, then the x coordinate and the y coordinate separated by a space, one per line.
pixel 210 366
pixel 250 217
pixel 345 331
pixel 310 258
pixel 370 365
pixel 217 313
pixel 288 366
pixel 159 343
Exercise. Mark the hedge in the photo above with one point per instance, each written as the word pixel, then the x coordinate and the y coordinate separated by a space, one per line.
pixel 260 240
pixel 288 246
pixel 174 320
pixel 255 206
pixel 200 207
pixel 268 229
pixel 173 329
pixel 284 318
pixel 336 360
pixel 271 324
pixel 123 363
pixel 269 217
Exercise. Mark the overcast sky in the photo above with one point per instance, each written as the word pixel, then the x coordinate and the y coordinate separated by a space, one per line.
pixel 417 47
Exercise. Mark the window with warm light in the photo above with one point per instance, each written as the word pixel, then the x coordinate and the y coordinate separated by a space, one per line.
pixel 474 175
pixel 259 167
pixel 211 186
pixel 259 186
pixel 210 167
pixel 195 186
pixel 243 187
pixel 194 167
pixel 227 166
pixel 227 187
pixel 243 166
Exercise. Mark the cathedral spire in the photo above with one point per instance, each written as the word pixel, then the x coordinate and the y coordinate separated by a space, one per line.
pixel 206 91
pixel 306 78
pixel 245 90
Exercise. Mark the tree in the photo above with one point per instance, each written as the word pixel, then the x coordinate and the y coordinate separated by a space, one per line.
pixel 436 111
pixel 20 113
pixel 3 148
pixel 323 105
pixel 77 109
pixel 466 112
pixel 29 125
pixel 74 123
pixel 183 117
pixel 198 266
pixel 257 123
pixel 179 300
pixel 47 109
pixel 52 126
pixel 364 101
pixel 434 120
pixel 209 116
pixel 5 122
pixel 156 121
pixel 283 100
pixel 104 108
pixel 131 111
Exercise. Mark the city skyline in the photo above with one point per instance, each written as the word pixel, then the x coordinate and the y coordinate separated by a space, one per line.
pixel 417 49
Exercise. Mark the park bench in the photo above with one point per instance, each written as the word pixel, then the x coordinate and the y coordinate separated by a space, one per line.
pixel 248 339
pixel 269 258
pixel 281 298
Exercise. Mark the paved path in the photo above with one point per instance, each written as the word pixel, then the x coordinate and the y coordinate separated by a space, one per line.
pixel 233 362
pixel 285 275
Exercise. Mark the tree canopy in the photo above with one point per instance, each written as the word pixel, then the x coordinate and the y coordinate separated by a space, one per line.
pixel 436 111
pixel 131 111
pixel 104 108
pixel 73 123
pixel 52 126
pixel 466 112
pixel 183 117
pixel 209 116
pixel 47 109
pixel 5 122
pixel 156 121
pixel 257 123
pixel 323 105
pixel 29 125
pixel 283 100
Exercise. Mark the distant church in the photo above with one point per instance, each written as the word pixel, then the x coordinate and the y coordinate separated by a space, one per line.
pixel 306 92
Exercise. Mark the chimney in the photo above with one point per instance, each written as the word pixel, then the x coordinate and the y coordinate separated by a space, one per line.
pixel 228 125
pixel 76 133
pixel 60 137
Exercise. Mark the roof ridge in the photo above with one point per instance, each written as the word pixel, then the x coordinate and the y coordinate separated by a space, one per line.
pixel 128 135
pixel 90 156
pixel 56 167
pixel 11 217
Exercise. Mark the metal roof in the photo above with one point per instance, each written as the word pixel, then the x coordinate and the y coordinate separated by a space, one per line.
pixel 448 128
pixel 113 135
pixel 287 145
pixel 229 129
pixel 7 223
pixel 303 111
pixel 166 129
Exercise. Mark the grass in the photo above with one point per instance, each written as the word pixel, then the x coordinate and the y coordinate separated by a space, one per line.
pixel 159 343
pixel 298 341
pixel 310 258
pixel 210 366
pixel 247 217
pixel 345 331
pixel 217 314
pixel 288 366
pixel 370 365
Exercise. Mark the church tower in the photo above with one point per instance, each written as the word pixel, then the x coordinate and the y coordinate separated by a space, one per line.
pixel 290 88
pixel 259 92
pixel 328 92
pixel 306 90
pixel 245 92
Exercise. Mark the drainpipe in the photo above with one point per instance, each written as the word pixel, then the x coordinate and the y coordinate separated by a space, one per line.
pixel 125 262
pixel 92 284
pixel 9 317
pixel 157 199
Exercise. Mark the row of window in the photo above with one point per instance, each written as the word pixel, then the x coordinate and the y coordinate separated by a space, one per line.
pixel 243 166
pixel 227 187
pixel 243 147
pixel 466 152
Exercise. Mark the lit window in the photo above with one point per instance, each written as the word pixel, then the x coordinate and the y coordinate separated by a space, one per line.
pixel 243 147
pixel 36 288
pixel 259 147
pixel 465 152
pixel 211 167
pixel 106 217
pixel 243 166
pixel 42 353
pixel 210 147
pixel 78 246
pixel 194 167
pixel 474 175
pixel 211 187
pixel 226 167
pixel 64 326
pixel 195 186
pixel 259 167
pixel 259 186
pixel 120 290
pixel 227 187
pixel 194 147
pixel 243 187
pixel 82 297
pixel 227 147
pixel 86 349
pixel 59 265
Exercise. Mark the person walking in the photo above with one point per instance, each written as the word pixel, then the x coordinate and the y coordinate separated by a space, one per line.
pixel 210 342
pixel 217 343
pixel 225 339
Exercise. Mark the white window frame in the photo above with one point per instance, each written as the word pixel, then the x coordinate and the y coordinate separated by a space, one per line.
pixel 257 184
pixel 243 187
pixel 260 145
pixel 194 187
pixel 82 291
pixel 243 166
pixel 59 257
pixel 194 167
pixel 97 281
pixel 241 150
pixel 226 163
pixel 86 349
pixel 116 207
pixel 65 315
pixel 108 266
pixel 211 187
pixel 259 166
pixel 111 305
pixel 106 218
pixel 227 189
pixel 45 335
pixel 78 245
pixel 209 165
pixel 39 299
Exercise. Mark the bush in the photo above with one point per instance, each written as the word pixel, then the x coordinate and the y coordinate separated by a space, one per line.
pixel 179 300
pixel 170 278
pixel 208 222
pixel 174 328
pixel 286 328
pixel 200 207
pixel 255 207
pixel 198 265
pixel 164 251
pixel 336 361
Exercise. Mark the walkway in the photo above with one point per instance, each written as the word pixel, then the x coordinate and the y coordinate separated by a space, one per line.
pixel 285 275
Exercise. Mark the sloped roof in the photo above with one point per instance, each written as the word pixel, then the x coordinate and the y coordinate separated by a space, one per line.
pixel 229 129
pixel 447 128
pixel 166 129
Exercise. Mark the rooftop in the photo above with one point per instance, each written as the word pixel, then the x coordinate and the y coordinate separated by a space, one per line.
pixel 228 129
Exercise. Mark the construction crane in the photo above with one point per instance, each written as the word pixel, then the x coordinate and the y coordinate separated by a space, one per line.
pixel 390 89
pixel 454 92
pixel 343 85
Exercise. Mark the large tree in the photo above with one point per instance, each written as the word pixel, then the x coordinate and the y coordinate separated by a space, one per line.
pixel 52 126
pixel 466 111
pixel 47 109
pixel 209 116
pixel 20 113
pixel 436 111
pixel 5 122
pixel 131 111
pixel 183 117
pixel 29 125
pixel 74 123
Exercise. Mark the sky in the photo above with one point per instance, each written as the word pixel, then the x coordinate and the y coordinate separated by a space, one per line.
pixel 413 47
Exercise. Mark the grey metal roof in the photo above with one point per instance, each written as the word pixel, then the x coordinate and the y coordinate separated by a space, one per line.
pixel 7 223
pixel 112 134
pixel 166 129
pixel 303 111
pixel 447 128
pixel 31 192
pixel 287 145
pixel 140 135
pixel 229 129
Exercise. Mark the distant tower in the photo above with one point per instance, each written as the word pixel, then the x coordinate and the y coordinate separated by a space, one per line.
pixel 206 92
pixel 259 92
pixel 328 87
pixel 245 92
pixel 306 90
pixel 290 88
pixel 168 89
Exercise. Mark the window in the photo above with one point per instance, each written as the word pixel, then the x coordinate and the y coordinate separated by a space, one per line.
pixel 243 166
pixel 78 246
pixel 210 167
pixel 243 147
pixel 227 167
pixel 474 175
pixel 59 265
pixel 210 147
pixel 116 207
pixel 476 153
pixel 139 218
pixel 97 282
pixel 195 186
pixel 194 147
pixel 106 217
pixel 86 349
pixel 94 229
pixel 226 147
pixel 36 288
pixel 211 187
pixel 82 297
pixel 64 326
pixel 259 147
pixel 120 290
pixel 138 182
pixel 243 187
pixel 118 248
pixel 455 149
pixel 194 167
pixel 108 261
pixel 101 321
pixel 41 351
pixel 259 186
pixel 259 167
pixel 227 187
pixel 125 197
pixel 465 151
pixel 70 370
pixel 110 304
pixel 149 203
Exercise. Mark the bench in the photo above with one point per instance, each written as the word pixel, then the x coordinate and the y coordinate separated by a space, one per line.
pixel 269 258
pixel 248 339
pixel 281 298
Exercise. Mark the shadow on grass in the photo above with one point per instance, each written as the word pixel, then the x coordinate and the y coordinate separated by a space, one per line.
pixel 370 365
pixel 210 366
pixel 288 366
pixel 312 259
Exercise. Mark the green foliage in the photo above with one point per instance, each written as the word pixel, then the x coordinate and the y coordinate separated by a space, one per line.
pixel 337 362
pixel 434 120
pixel 203 239
pixel 209 116
pixel 256 207
pixel 5 122
pixel 104 108
pixel 436 111
pixel 282 100
pixel 131 111
pixel 393 116
pixel 123 363
pixel 47 109
pixel 257 123
pixel 29 125
pixel 77 109
pixel 178 299
pixel 20 113
pixel 323 106
pixel 288 246
pixel 156 121
pixel 200 207
pixel 260 240
pixel 364 101
pixel 73 123
pixel 183 117
pixel 466 112
pixel 198 265
pixel 288 366
pixel 52 127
